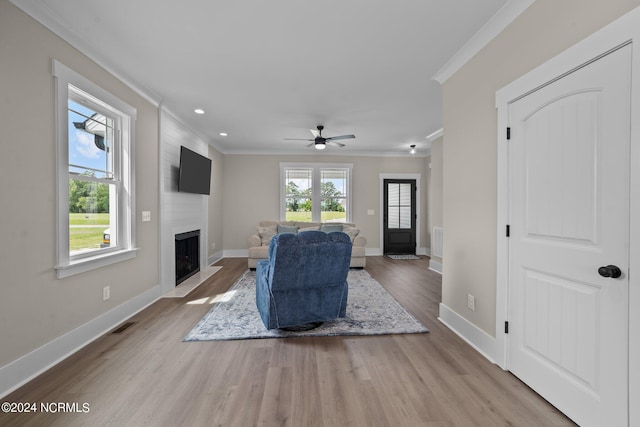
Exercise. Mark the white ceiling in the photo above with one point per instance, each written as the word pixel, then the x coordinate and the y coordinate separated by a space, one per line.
pixel 267 70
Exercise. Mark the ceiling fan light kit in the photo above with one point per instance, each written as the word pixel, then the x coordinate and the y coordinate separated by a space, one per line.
pixel 320 142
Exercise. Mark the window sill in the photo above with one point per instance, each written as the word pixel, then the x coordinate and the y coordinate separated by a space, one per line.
pixel 92 263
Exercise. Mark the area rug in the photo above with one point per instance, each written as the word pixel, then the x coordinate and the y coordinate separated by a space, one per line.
pixel 403 256
pixel 370 311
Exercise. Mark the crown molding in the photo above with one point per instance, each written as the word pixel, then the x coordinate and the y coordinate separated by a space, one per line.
pixel 505 16
pixel 41 12
pixel 435 135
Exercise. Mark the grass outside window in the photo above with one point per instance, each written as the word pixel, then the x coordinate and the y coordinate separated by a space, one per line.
pixel 86 230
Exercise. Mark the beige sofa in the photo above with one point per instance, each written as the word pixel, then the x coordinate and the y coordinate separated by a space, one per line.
pixel 259 242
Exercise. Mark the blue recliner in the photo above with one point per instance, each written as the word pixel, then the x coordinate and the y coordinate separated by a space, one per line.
pixel 304 281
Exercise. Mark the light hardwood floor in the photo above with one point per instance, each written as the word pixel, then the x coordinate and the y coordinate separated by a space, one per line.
pixel 147 376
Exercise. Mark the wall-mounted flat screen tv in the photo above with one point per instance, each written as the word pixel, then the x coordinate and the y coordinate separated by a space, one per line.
pixel 195 172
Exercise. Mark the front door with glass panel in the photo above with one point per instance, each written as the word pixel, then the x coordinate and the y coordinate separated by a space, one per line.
pixel 399 216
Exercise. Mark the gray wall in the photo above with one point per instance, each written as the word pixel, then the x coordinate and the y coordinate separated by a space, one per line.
pixel 252 193
pixel 35 307
pixel 470 141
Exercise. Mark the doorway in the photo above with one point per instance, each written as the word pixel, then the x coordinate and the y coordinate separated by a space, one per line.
pixel 567 251
pixel 399 216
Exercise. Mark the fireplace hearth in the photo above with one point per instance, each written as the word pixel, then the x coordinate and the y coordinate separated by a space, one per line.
pixel 187 255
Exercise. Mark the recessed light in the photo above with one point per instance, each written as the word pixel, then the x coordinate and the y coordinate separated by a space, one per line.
pixel 223 134
pixel 198 111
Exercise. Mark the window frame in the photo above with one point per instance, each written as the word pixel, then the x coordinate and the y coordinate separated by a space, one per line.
pixel 316 193
pixel 71 85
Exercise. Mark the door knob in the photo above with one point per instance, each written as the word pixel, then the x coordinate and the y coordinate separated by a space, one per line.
pixel 610 271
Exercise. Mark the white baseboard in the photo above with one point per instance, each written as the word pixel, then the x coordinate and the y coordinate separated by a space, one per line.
pixel 380 252
pixel 435 266
pixel 423 251
pixel 373 252
pixel 244 253
pixel 22 370
pixel 484 343
pixel 215 257
pixel 236 253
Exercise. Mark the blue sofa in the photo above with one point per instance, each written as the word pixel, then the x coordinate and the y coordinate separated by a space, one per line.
pixel 304 280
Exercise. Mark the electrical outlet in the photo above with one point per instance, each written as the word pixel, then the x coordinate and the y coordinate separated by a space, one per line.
pixel 471 302
pixel 106 293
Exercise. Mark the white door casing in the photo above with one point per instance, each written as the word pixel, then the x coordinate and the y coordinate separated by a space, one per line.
pixel 569 209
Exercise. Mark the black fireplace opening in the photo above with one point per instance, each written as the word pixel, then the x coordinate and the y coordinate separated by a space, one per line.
pixel 187 255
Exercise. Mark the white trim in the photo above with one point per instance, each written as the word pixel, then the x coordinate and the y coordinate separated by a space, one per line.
pixel 68 265
pixel 66 74
pixel 621 31
pixel 91 263
pixel 435 266
pixel 217 257
pixel 373 252
pixel 344 152
pixel 235 253
pixel 415 176
pixel 482 342
pixel 435 135
pixel 505 16
pixel 20 371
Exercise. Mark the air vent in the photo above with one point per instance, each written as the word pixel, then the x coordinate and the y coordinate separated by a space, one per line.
pixel 120 329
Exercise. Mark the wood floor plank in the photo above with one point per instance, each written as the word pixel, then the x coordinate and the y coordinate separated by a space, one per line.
pixel 146 375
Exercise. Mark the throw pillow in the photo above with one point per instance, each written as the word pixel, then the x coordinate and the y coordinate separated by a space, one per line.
pixel 266 234
pixel 287 229
pixel 328 228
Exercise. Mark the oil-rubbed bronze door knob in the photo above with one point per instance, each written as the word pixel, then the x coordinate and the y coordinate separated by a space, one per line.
pixel 610 271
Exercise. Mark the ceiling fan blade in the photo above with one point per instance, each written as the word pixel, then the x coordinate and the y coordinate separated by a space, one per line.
pixel 315 133
pixel 313 143
pixel 335 143
pixel 298 139
pixel 333 138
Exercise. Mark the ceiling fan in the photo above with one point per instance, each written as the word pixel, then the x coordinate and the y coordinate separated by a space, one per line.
pixel 320 142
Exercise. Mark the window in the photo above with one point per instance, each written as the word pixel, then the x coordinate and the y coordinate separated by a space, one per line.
pixel 316 192
pixel 299 194
pixel 399 205
pixel 94 175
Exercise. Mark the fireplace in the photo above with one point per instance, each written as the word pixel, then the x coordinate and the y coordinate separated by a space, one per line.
pixel 187 255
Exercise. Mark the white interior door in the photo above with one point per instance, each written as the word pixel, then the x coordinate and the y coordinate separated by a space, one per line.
pixel 569 215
